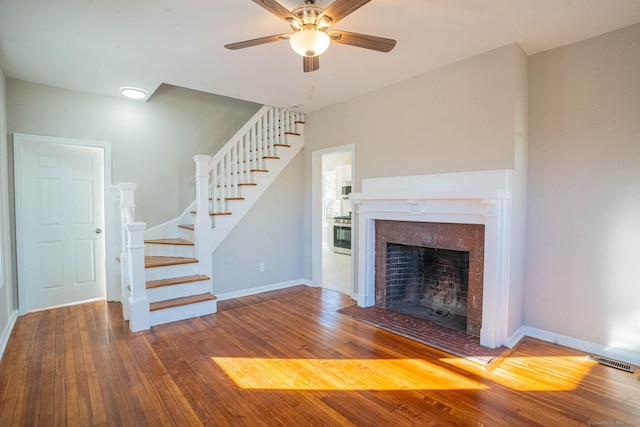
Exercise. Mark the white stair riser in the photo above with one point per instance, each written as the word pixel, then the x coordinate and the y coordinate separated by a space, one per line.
pixel 169 271
pixel 186 234
pixel 183 251
pixel 175 314
pixel 226 206
pixel 177 291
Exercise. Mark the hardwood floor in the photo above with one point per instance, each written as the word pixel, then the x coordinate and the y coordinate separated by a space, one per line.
pixel 287 358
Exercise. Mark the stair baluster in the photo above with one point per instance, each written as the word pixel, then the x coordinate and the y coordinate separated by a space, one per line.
pixel 275 124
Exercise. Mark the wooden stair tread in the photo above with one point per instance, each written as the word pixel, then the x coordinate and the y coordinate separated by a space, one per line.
pixel 271 157
pixel 214 213
pixel 177 302
pixel 176 281
pixel 228 198
pixel 253 170
pixel 242 184
pixel 161 261
pixel 178 242
pixel 187 226
pixel 292 133
pixel 269 146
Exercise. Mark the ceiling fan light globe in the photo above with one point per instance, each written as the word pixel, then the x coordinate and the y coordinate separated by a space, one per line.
pixel 310 42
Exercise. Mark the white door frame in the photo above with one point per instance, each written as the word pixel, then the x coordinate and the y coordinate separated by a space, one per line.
pixel 316 212
pixel 18 162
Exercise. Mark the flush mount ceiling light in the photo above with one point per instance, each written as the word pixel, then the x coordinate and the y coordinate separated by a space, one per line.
pixel 134 92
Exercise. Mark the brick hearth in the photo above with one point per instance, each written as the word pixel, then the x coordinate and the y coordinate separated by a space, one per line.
pixel 454 342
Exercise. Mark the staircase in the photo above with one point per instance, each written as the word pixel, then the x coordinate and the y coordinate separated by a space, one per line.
pixel 167 270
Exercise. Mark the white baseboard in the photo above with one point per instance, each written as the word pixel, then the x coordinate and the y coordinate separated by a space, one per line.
pixel 4 339
pixel 578 344
pixel 84 301
pixel 516 337
pixel 261 289
pixel 309 283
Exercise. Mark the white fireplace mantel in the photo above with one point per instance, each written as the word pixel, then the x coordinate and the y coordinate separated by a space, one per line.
pixel 482 197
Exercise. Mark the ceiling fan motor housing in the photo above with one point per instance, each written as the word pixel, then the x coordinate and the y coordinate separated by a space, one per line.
pixel 307 17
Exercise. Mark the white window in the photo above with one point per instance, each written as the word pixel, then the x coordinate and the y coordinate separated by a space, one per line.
pixel 331 205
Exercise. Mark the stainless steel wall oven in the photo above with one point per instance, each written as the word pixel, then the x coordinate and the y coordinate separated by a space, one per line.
pixel 342 235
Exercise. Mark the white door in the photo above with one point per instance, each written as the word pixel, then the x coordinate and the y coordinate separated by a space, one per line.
pixel 60 218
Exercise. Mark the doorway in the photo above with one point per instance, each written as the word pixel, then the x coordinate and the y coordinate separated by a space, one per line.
pixel 60 220
pixel 333 180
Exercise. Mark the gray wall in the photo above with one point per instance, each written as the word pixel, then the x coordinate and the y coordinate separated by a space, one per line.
pixel 153 142
pixel 457 118
pixel 583 248
pixel 6 259
pixel 520 194
pixel 270 233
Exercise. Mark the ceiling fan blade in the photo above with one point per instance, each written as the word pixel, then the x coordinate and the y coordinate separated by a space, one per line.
pixel 277 9
pixel 256 42
pixel 362 40
pixel 341 8
pixel 310 63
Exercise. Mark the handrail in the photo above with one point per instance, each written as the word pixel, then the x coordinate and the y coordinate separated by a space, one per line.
pixel 246 153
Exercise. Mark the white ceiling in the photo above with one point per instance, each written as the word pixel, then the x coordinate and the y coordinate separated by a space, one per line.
pixel 98 46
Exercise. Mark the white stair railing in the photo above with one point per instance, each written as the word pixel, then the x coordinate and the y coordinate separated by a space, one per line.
pixel 246 152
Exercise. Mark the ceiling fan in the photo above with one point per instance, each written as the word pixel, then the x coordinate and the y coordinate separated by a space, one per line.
pixel 311 36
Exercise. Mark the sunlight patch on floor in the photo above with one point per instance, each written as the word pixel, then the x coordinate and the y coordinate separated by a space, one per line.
pixel 342 374
pixel 535 373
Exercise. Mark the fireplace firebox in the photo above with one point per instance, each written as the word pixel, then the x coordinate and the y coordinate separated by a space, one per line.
pixel 429 283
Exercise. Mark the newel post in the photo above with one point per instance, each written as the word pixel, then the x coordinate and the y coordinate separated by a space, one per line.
pixel 202 222
pixel 127 215
pixel 138 302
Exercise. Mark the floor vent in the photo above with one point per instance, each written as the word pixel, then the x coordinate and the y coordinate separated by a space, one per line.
pixel 610 362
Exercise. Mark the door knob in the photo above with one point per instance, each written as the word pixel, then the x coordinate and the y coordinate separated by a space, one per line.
pixel 98 231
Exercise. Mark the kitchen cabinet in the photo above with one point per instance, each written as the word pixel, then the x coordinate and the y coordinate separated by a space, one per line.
pixel 346 173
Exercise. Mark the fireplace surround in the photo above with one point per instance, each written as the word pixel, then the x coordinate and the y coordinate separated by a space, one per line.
pixel 466 239
pixel 468 199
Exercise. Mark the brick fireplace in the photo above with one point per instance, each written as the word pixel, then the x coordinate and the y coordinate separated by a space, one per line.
pixel 467 212
pixel 433 270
